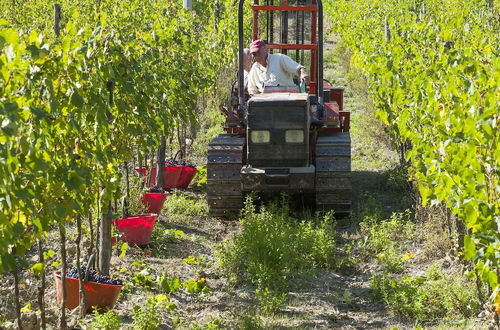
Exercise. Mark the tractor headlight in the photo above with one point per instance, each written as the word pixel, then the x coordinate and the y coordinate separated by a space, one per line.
pixel 294 136
pixel 260 136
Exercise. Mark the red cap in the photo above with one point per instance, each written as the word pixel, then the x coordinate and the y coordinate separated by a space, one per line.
pixel 255 45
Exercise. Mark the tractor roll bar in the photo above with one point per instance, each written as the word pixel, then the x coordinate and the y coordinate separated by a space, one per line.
pixel 241 81
pixel 319 82
pixel 319 71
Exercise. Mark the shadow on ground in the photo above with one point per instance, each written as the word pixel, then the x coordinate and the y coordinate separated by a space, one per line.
pixel 384 191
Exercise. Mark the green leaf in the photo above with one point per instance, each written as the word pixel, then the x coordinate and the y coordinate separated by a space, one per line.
pixel 38 268
pixel 469 248
pixel 77 99
pixel 8 263
pixel 9 127
pixel 123 250
pixel 471 214
pixel 492 279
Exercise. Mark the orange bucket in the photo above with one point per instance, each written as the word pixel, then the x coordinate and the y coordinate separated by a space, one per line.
pixel 100 296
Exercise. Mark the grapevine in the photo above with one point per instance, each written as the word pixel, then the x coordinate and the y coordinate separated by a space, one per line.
pixel 75 106
pixel 434 72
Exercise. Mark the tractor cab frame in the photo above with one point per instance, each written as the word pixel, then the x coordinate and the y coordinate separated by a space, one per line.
pixel 284 141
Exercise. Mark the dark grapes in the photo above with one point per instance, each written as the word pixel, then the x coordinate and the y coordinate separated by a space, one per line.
pixel 93 276
pixel 156 190
pixel 181 162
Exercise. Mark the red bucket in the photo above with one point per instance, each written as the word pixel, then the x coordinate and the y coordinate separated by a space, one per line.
pixel 141 170
pixel 101 296
pixel 154 201
pixel 136 229
pixel 171 175
pixel 187 175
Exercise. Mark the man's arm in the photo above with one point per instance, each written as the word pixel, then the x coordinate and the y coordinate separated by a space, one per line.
pixel 295 68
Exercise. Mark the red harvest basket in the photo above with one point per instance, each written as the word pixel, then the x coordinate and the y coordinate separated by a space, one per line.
pixel 154 201
pixel 100 296
pixel 136 229
pixel 171 175
pixel 139 170
pixel 187 175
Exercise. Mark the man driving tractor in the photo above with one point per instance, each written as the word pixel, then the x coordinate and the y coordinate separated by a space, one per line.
pixel 272 69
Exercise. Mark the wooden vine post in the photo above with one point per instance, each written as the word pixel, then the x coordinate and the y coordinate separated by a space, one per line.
pixel 62 232
pixel 90 249
pixel 57 19
pixel 16 295
pixel 41 288
pixel 106 215
pixel 105 240
pixel 387 31
pixel 83 300
pixel 161 162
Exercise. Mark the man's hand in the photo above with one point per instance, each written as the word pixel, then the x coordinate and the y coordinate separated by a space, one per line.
pixel 304 76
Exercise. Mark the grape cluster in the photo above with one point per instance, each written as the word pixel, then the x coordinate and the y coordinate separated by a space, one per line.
pixel 93 276
pixel 180 162
pixel 156 190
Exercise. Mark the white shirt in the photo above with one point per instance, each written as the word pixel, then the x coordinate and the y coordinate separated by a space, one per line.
pixel 245 78
pixel 279 72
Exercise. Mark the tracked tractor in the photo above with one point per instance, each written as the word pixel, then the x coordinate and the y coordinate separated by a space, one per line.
pixel 284 140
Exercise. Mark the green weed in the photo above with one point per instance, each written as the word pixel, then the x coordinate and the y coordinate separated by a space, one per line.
pixel 247 321
pixel 200 180
pixel 426 298
pixel 273 248
pixel 179 206
pixel 149 316
pixel 391 261
pixel 214 322
pixel 198 286
pixel 169 285
pixel 162 237
pixel 106 321
pixel 346 259
pixel 388 240
pixel 144 276
pixel 269 302
pixel 198 261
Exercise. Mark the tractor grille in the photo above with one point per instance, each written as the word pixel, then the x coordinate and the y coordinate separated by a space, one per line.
pixel 273 118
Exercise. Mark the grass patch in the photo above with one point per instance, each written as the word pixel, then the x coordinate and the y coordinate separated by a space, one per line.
pixel 107 321
pixel 273 249
pixel 150 315
pixel 427 298
pixel 162 239
pixel 179 206
pixel 389 241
